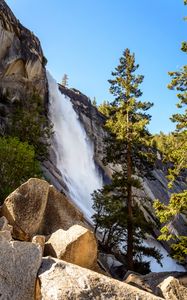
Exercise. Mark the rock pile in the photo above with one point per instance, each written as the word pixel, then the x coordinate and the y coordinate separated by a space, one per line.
pixel 36 221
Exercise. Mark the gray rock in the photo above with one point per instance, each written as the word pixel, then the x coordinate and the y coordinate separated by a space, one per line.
pixel 62 280
pixel 19 264
pixel 25 207
pixel 60 213
pixel 4 224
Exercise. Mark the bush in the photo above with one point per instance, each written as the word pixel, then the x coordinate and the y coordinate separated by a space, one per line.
pixel 17 164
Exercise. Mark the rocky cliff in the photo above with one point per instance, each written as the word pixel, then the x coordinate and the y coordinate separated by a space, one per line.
pixel 22 63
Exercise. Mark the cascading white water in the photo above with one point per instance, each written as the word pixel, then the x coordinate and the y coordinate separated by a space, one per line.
pixel 74 154
pixel 73 149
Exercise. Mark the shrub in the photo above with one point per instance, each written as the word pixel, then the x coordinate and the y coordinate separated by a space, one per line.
pixel 17 164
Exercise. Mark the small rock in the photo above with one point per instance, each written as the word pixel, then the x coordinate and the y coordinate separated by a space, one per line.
pixel 138 281
pixel 5 235
pixel 172 289
pixel 39 240
pixel 4 224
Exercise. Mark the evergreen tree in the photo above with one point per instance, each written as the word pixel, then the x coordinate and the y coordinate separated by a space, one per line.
pixel 178 156
pixel 94 102
pixel 104 108
pixel 65 80
pixel 128 139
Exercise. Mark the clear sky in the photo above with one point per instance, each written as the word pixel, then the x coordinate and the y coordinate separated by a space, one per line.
pixel 85 39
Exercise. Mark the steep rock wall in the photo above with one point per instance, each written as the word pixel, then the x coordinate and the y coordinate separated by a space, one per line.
pixel 22 64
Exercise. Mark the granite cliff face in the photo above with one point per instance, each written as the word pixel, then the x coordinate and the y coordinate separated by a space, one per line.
pixel 22 63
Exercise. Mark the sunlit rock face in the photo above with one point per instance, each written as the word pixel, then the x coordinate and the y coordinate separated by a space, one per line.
pixel 22 64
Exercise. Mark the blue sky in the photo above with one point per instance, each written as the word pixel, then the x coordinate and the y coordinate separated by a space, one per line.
pixel 85 39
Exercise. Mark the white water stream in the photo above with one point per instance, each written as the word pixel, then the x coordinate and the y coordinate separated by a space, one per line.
pixel 73 149
pixel 74 154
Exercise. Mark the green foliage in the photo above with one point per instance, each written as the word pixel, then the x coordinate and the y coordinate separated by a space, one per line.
pixel 127 144
pixel 173 147
pixel 104 108
pixel 166 213
pixel 110 218
pixel 30 125
pixel 94 102
pixel 177 154
pixel 128 119
pixel 17 164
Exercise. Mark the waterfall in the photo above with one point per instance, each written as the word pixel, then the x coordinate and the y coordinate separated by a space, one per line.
pixel 74 150
pixel 74 159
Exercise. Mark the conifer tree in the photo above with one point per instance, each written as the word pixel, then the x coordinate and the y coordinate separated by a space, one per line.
pixel 94 102
pixel 65 80
pixel 178 156
pixel 128 139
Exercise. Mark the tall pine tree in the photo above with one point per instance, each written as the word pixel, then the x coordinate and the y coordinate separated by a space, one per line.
pixel 127 144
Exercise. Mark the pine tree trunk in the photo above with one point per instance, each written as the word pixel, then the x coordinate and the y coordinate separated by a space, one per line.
pixel 129 207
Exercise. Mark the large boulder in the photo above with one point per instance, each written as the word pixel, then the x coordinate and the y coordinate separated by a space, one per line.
pixel 25 207
pixel 77 245
pixel 38 208
pixel 62 280
pixel 19 264
pixel 172 289
pixel 60 212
